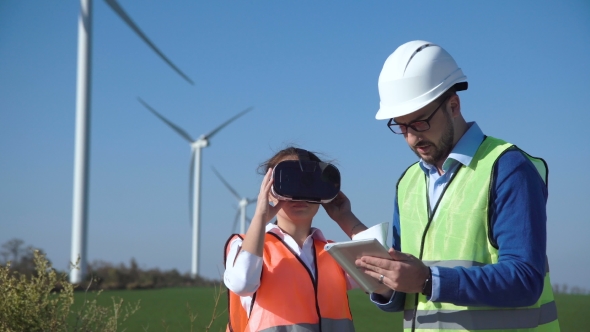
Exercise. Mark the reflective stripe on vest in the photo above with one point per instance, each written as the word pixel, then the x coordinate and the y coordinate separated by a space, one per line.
pixel 464 263
pixel 289 298
pixel 327 325
pixel 493 319
pixel 457 235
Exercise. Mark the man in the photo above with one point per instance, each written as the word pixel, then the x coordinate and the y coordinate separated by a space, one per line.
pixel 469 225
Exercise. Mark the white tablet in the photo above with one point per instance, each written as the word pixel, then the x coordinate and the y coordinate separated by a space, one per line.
pixel 346 253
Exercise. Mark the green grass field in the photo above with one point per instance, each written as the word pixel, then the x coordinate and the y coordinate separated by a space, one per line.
pixel 166 310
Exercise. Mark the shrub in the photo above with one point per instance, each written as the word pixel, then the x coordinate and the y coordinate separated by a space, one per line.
pixel 29 303
pixel 41 301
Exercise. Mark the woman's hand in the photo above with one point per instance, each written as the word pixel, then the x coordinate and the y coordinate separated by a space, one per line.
pixel 264 211
pixel 254 240
pixel 339 209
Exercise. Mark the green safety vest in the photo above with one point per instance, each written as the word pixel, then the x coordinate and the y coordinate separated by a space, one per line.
pixel 458 235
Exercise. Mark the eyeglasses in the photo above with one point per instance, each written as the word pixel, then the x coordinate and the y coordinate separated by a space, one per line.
pixel 418 125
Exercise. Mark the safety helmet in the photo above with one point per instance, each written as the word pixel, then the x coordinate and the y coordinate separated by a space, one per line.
pixel 413 76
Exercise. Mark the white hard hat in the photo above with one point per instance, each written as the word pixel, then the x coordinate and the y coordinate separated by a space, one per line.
pixel 415 75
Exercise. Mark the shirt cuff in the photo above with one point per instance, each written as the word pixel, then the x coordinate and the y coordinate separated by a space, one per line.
pixel 435 284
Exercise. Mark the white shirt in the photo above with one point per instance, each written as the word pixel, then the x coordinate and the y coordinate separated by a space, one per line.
pixel 242 273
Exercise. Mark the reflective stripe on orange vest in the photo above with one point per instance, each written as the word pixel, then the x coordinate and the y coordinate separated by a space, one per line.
pixel 289 298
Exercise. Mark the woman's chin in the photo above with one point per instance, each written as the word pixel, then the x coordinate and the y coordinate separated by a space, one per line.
pixel 298 216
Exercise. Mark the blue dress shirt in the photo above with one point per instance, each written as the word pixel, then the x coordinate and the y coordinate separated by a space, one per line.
pixel 518 226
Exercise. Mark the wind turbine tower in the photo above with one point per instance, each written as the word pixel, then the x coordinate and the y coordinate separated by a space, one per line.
pixel 81 153
pixel 195 175
pixel 243 202
pixel 82 143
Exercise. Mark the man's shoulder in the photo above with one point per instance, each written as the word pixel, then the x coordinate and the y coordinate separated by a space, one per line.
pixel 514 164
pixel 514 157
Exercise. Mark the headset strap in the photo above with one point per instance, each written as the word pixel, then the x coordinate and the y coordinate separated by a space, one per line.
pixel 303 154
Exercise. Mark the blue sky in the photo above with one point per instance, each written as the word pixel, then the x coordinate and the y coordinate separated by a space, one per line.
pixel 310 71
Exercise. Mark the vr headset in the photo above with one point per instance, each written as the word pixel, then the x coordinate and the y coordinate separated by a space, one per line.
pixel 305 180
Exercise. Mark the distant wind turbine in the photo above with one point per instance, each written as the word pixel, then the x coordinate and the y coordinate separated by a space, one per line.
pixel 82 140
pixel 243 202
pixel 195 174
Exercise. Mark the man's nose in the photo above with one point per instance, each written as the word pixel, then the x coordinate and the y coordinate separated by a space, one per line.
pixel 411 132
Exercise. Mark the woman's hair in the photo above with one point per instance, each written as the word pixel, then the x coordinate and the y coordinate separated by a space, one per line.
pixel 289 151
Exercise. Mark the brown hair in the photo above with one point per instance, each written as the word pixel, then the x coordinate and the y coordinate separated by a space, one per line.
pixel 289 151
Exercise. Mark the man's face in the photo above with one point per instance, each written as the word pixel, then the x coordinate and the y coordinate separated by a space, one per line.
pixel 434 144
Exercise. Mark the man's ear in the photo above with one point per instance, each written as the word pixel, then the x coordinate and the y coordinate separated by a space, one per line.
pixel 455 106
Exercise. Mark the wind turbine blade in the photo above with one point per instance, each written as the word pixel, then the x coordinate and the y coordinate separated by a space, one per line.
pixel 123 15
pixel 209 135
pixel 226 184
pixel 236 218
pixel 174 127
pixel 252 200
pixel 191 186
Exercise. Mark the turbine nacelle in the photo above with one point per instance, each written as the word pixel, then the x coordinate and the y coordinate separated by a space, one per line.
pixel 243 203
pixel 200 143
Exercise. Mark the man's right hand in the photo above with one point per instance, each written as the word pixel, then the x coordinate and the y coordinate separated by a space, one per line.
pixel 403 272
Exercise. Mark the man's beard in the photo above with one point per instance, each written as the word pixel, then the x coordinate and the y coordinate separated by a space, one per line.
pixel 444 146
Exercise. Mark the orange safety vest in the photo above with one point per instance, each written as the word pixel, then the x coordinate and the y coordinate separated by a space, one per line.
pixel 288 297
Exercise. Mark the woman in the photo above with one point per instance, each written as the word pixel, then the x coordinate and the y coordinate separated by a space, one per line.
pixel 278 275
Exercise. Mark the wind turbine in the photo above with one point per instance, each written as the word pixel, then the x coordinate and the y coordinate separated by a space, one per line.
pixel 82 136
pixel 243 202
pixel 195 174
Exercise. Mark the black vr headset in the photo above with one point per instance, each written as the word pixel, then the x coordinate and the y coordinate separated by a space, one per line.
pixel 305 180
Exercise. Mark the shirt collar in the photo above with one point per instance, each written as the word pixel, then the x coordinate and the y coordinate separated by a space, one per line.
pixel 315 233
pixel 463 151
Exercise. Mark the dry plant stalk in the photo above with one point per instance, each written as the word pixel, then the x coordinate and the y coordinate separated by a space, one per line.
pixel 218 292
pixel 217 297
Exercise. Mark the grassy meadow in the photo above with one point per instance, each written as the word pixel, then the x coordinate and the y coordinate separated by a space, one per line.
pixel 170 309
